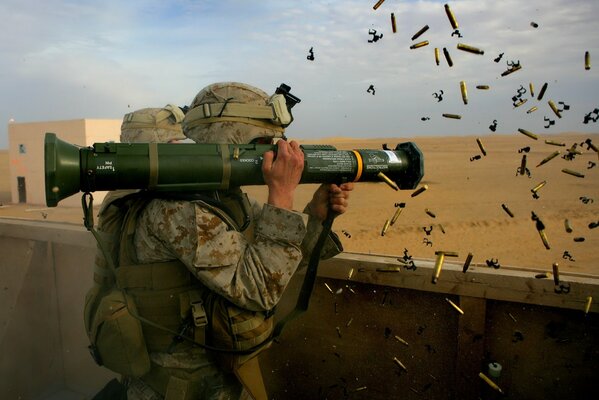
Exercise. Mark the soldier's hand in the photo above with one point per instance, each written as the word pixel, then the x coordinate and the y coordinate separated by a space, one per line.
pixel 283 173
pixel 330 197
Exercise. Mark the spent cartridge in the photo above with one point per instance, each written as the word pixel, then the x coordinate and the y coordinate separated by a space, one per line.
pixel 378 4
pixel 447 57
pixel 419 190
pixel 452 116
pixel 455 306
pixel 542 92
pixel 451 17
pixel 419 44
pixel 388 181
pixel 587 307
pixel 554 108
pixel 464 91
pixel 573 173
pixel 467 262
pixel 507 210
pixel 438 266
pixel 470 49
pixel 420 32
pixel 549 158
pixel 511 70
pixel 527 133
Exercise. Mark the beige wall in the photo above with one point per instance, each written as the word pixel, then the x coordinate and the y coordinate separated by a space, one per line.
pixel 30 165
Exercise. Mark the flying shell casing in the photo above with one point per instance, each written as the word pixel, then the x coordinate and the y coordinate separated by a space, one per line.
pixel 451 17
pixel 554 143
pixel 567 225
pixel 350 273
pixel 554 108
pixel 587 60
pixel 522 101
pixel 538 187
pixel 470 49
pixel 464 91
pixel 532 89
pixel 573 173
pixel 430 213
pixel 388 181
pixel 396 215
pixel 452 116
pixel 555 267
pixel 523 165
pixel 400 340
pixel 467 262
pixel 448 253
pixel 482 87
pixel 393 25
pixel 419 190
pixel 400 364
pixel 481 147
pixel 385 227
pixel 328 287
pixel 378 4
pixel 511 70
pixel 587 307
pixel 419 44
pixel 490 382
pixel 420 32
pixel 527 133
pixel 454 305
pixel 438 265
pixel 544 238
pixel 542 275
pixel 437 61
pixel 549 158
pixel 532 109
pixel 542 92
pixel 447 57
pixel 507 210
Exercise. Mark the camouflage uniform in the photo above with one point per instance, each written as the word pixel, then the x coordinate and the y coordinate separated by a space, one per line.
pixel 250 269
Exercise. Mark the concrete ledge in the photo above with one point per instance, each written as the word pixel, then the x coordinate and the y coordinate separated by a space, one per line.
pixel 55 232
pixel 505 284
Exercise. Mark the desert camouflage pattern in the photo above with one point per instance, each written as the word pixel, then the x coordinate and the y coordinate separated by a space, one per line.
pixel 250 272
pixel 209 382
pixel 149 125
pixel 230 131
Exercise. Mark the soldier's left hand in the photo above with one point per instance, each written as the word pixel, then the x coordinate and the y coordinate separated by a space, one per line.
pixel 330 197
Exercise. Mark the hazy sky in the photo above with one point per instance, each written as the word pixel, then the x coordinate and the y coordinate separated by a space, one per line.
pixel 70 59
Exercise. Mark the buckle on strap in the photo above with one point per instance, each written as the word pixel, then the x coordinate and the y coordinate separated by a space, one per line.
pixel 198 313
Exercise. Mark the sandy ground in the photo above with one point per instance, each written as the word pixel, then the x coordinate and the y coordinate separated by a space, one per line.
pixel 466 198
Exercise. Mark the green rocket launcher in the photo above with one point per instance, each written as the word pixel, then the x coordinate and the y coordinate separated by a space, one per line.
pixel 198 167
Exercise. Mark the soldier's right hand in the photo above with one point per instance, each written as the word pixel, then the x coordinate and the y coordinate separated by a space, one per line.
pixel 282 173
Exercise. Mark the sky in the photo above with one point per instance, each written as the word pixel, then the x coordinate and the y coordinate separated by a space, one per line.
pixel 73 59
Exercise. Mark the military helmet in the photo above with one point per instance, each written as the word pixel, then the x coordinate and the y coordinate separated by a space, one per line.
pixel 237 113
pixel 160 125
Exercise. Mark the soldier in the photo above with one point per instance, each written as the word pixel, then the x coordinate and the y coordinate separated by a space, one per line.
pixel 208 269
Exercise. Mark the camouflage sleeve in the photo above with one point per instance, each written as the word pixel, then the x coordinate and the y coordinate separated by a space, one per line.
pixel 252 275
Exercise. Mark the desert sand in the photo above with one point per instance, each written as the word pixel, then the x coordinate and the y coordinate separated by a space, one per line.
pixel 466 197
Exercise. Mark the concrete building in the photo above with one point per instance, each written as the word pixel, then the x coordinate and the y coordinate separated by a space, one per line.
pixel 26 154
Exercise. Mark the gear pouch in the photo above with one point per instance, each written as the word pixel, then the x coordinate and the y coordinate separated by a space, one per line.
pixel 117 337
